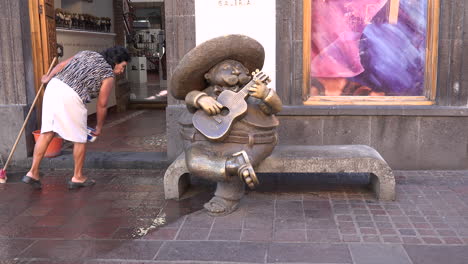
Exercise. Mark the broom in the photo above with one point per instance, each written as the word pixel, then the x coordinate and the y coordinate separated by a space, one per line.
pixel 3 176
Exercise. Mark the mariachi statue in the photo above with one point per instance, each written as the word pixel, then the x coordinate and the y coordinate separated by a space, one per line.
pixel 230 126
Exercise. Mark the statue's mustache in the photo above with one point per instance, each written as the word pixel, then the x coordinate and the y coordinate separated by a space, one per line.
pixel 234 79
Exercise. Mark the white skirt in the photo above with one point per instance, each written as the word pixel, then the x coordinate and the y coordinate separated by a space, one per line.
pixel 63 112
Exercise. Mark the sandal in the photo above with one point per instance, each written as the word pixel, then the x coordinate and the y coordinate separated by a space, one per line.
pixel 36 184
pixel 218 206
pixel 246 171
pixel 247 174
pixel 76 185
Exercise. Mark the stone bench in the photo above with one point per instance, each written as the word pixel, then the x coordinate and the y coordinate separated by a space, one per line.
pixel 305 159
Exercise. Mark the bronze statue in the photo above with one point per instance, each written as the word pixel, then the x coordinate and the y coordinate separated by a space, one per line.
pixel 235 126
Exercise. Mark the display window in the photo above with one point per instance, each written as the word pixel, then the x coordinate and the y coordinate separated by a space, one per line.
pixel 370 51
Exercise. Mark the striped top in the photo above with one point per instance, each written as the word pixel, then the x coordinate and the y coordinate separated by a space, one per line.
pixel 85 73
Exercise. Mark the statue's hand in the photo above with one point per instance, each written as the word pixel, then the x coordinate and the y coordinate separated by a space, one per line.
pixel 209 105
pixel 258 90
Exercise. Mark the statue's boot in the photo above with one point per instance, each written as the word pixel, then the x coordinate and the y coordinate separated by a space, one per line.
pixel 239 164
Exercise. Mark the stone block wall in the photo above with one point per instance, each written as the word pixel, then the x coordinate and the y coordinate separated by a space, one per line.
pixel 16 77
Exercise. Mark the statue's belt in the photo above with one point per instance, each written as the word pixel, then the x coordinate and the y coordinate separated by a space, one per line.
pixel 237 137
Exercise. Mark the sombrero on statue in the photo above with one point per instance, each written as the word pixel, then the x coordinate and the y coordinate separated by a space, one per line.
pixel 189 73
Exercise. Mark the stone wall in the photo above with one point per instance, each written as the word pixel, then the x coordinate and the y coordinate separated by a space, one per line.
pixel 16 77
pixel 180 38
pixel 405 142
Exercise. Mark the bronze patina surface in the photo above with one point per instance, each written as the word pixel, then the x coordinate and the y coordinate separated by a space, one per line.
pixel 221 69
pixel 189 73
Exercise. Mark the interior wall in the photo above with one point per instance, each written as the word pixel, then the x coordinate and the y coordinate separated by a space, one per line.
pixel 99 8
pixel 74 41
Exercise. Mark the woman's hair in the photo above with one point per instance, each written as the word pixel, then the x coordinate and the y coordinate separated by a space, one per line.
pixel 116 55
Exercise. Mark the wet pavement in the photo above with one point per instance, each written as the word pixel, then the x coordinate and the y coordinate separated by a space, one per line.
pixel 130 139
pixel 131 131
pixel 320 218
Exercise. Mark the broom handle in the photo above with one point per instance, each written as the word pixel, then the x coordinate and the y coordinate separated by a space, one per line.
pixel 27 117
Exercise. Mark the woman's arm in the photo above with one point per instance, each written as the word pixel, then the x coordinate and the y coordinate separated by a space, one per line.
pixel 101 106
pixel 55 70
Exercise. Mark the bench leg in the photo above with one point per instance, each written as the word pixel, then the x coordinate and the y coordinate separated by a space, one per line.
pixel 176 179
pixel 383 186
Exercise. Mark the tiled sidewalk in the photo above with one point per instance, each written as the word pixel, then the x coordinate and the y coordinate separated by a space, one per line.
pixel 290 219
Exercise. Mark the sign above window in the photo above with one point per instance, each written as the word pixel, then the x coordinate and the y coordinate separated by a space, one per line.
pixel 253 18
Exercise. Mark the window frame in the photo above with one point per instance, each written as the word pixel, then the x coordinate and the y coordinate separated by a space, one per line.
pixel 430 71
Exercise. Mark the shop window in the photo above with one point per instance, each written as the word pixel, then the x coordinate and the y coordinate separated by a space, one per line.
pixel 370 51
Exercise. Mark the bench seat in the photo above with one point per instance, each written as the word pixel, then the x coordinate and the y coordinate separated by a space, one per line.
pixel 305 159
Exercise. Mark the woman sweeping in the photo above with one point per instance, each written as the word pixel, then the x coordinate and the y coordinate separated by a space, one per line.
pixel 72 84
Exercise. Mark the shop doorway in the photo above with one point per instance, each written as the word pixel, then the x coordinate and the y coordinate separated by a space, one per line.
pixel 147 72
pixel 96 25
pixel 43 41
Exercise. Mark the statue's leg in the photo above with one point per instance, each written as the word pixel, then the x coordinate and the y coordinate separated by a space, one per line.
pixel 227 197
pixel 242 163
pixel 213 162
pixel 228 193
pixel 205 162
pixel 216 162
pixel 239 164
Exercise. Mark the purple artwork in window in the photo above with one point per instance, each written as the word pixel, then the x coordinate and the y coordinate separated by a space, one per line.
pixel 356 51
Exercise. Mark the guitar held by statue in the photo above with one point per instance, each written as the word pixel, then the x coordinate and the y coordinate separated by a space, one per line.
pixel 233 106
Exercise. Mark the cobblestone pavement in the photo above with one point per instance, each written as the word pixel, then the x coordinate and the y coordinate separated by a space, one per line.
pixel 303 219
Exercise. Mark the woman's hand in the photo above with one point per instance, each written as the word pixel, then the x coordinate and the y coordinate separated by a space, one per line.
pixel 98 131
pixel 45 79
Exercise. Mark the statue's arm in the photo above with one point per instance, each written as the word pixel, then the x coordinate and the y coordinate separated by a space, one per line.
pixel 191 100
pixel 271 103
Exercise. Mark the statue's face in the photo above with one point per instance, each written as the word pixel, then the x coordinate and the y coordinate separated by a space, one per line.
pixel 228 74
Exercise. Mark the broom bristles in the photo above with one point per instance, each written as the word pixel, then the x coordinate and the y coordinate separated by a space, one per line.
pixel 3 176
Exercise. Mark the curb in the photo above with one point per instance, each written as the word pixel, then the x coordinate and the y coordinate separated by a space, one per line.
pixel 104 160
